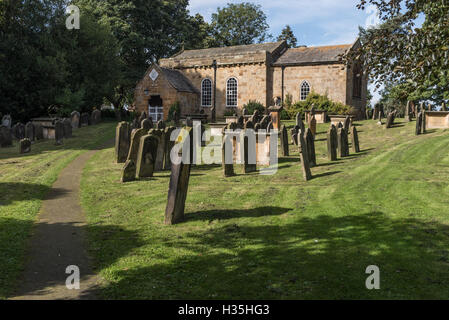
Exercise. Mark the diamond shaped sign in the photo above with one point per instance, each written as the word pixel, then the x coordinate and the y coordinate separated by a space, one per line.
pixel 154 75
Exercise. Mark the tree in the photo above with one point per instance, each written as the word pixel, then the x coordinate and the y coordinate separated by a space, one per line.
pixel 398 50
pixel 288 35
pixel 239 24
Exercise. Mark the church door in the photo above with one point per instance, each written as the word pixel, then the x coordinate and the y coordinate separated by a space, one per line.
pixel 155 109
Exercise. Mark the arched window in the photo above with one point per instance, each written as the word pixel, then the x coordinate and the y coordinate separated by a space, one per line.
pixel 231 92
pixel 305 90
pixel 206 93
pixel 357 82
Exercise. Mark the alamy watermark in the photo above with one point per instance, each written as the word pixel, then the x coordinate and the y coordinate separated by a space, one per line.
pixel 73 280
pixel 373 281
pixel 73 20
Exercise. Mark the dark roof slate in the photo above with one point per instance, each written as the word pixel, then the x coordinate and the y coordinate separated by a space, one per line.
pixel 178 80
pixel 312 55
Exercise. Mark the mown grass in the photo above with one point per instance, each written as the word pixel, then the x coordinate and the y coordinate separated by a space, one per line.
pixel 24 182
pixel 278 237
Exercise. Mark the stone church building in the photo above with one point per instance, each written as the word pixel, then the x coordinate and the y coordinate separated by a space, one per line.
pixel 230 77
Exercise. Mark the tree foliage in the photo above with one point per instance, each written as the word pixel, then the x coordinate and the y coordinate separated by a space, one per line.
pixel 288 35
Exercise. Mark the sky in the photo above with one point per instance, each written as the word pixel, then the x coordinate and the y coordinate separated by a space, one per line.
pixel 314 22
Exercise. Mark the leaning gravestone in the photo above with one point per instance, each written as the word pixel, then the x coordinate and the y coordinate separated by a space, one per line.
pixel 249 148
pixel 355 140
pixel 84 120
pixel 179 183
pixel 284 141
pixel 128 171
pixel 5 137
pixel 122 141
pixel 342 143
pixel 310 145
pixel 59 132
pixel 134 144
pixel 7 121
pixel 29 131
pixel 304 158
pixel 25 146
pixel 146 156
pixel 75 119
pixel 332 143
pixel 39 131
pixel 96 117
pixel 67 128
pixel 169 144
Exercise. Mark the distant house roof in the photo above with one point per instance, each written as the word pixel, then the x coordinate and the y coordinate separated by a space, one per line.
pixel 178 80
pixel 228 51
pixel 312 55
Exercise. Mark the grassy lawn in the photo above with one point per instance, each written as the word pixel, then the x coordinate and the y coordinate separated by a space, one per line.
pixel 24 182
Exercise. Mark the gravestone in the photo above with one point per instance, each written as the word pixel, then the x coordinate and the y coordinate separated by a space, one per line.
pixel 134 144
pixel 270 126
pixel 59 132
pixel 304 158
pixel 245 112
pixel 443 106
pixel 408 111
pixel 136 124
pixel 284 141
pixel 257 127
pixel 249 148
pixel 294 133
pixel 339 125
pixel 67 128
pixel 19 131
pixel 160 125
pixel 96 117
pixel 168 147
pixel 39 131
pixel 29 131
pixel 75 119
pixel 376 111
pixel 142 117
pixel 332 143
pixel 240 122
pixel 146 156
pixel 298 119
pixel 122 141
pixel 179 183
pixel 347 124
pixel 423 125
pixel 5 137
pixel 25 146
pixel 355 140
pixel 84 119
pixel 390 119
pixel 418 129
pixel 227 156
pixel 310 144
pixel 342 143
pixel 128 171
pixel 7 121
pixel 160 153
pixel 312 125
pixel 368 113
pixel 146 124
pixel 189 122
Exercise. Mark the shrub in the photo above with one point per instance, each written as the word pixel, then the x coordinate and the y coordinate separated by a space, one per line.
pixel 321 102
pixel 253 105
pixel 174 107
pixel 230 112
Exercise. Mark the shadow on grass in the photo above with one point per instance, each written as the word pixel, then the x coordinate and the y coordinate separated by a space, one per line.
pixel 325 174
pixel 232 214
pixel 17 191
pixel 322 257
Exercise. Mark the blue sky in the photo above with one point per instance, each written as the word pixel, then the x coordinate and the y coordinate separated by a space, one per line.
pixel 314 22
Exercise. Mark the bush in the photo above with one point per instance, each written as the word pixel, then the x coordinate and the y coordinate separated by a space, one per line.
pixel 321 102
pixel 253 105
pixel 107 113
pixel 230 112
pixel 174 107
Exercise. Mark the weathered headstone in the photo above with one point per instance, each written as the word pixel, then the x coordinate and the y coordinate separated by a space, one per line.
pixel 179 183
pixel 418 129
pixel 423 125
pixel 59 132
pixel 67 128
pixel 134 144
pixel 240 122
pixel 7 121
pixel 146 156
pixel 390 119
pixel 160 125
pixel 249 148
pixel 312 124
pixel 284 141
pixel 189 122
pixel 5 137
pixel 376 111
pixel 168 147
pixel 128 171
pixel 146 124
pixel 122 141
pixel 355 140
pixel 25 146
pixel 84 119
pixel 347 124
pixel 332 143
pixel 443 106
pixel 96 117
pixel 160 153
pixel 245 112
pixel 75 119
pixel 304 158
pixel 19 131
pixel 310 144
pixel 408 111
pixel 342 143
pixel 294 133
pixel 29 131
pixel 227 156
pixel 142 116
pixel 39 131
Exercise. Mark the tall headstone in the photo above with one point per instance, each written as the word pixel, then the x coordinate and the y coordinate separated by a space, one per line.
pixel 227 156
pixel 390 119
pixel 169 144
pixel 179 183
pixel 249 148
pixel 67 128
pixel 146 156
pixel 342 140
pixel 59 132
pixel 25 146
pixel 6 121
pixel 284 141
pixel 96 117
pixel 443 106
pixel 84 119
pixel 75 119
pixel 5 137
pixel 418 129
pixel 160 154
pixel 160 125
pixel 304 158
pixel 39 131
pixel 355 140
pixel 423 125
pixel 128 171
pixel 310 145
pixel 312 124
pixel 19 131
pixel 294 133
pixel 408 111
pixel 146 124
pixel 122 141
pixel 29 131
pixel 134 144
pixel 142 116
pixel 332 143
pixel 347 123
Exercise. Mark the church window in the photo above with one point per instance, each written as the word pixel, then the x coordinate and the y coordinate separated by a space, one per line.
pixel 231 92
pixel 206 93
pixel 305 90
pixel 357 82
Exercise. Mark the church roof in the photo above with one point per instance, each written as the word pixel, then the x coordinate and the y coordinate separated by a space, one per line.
pixel 228 51
pixel 312 55
pixel 178 80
